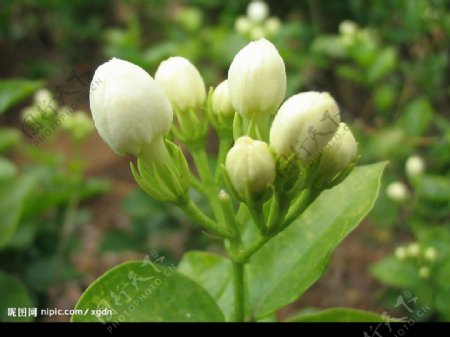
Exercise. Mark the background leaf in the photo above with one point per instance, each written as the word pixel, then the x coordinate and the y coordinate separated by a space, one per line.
pixel 140 292
pixel 13 91
pixel 396 273
pixel 13 193
pixel 338 315
pixel 13 294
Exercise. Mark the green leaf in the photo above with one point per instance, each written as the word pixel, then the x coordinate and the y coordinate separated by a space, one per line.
pixel 433 187
pixel 295 259
pixel 12 195
pixel 338 315
pixel 7 168
pixel 13 295
pixel 8 138
pixel 396 273
pixel 417 117
pixel 384 63
pixel 214 273
pixel 291 262
pixel 13 91
pixel 137 291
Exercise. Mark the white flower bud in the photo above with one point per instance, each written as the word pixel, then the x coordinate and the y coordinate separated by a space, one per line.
pixel 413 249
pixel 348 27
pixel 430 254
pixel 338 153
pixel 257 11
pixel 400 253
pixel 129 108
pixel 257 79
pixel 424 272
pixel 414 166
pixel 242 25
pixel 304 124
pixel 249 161
pixel 181 82
pixel 220 100
pixel 45 101
pixel 397 191
pixel 272 25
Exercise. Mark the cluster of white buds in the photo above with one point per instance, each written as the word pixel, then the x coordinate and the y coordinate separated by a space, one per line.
pixel 423 257
pixel 133 113
pixel 257 23
pixel 397 191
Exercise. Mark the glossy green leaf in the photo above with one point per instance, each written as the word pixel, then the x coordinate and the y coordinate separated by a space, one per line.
pixel 12 195
pixel 214 273
pixel 291 262
pixel 13 295
pixel 139 291
pixel 295 259
pixel 13 91
pixel 396 273
pixel 338 315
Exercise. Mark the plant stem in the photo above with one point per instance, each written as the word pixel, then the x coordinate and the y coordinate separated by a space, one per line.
pixel 246 254
pixel 224 146
pixel 193 211
pixel 239 298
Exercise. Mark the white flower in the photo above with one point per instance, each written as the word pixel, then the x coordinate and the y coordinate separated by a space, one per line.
pixel 400 253
pixel 397 191
pixel 272 25
pixel 430 254
pixel 242 25
pixel 250 162
pixel 338 153
pixel 257 11
pixel 181 82
pixel 44 100
pixel 257 79
pixel 220 100
pixel 129 108
pixel 413 249
pixel 304 124
pixel 414 166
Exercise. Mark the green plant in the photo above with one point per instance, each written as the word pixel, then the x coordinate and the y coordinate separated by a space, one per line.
pixel 40 205
pixel 277 207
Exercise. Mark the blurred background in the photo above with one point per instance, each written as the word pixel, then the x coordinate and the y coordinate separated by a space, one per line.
pixel 70 209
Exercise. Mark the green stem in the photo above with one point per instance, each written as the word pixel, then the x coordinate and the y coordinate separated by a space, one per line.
pixel 224 146
pixel 246 254
pixel 196 214
pixel 299 207
pixel 239 298
pixel 210 189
